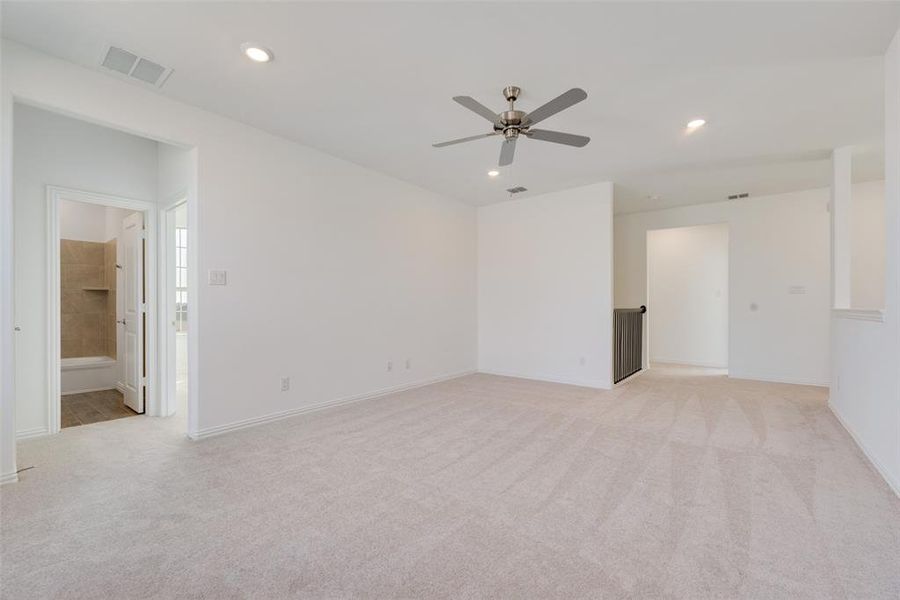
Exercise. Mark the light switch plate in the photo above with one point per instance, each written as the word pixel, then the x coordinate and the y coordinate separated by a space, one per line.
pixel 218 277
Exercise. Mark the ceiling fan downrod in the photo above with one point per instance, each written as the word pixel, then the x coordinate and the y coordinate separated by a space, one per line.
pixel 510 122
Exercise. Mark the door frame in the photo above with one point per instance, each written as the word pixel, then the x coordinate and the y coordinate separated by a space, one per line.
pixel 54 355
pixel 169 402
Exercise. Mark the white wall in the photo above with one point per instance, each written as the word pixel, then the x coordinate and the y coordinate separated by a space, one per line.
pixel 865 392
pixel 82 221
pixel 867 245
pixel 90 222
pixel 544 287
pixel 778 245
pixel 332 269
pixel 688 295
pixel 176 172
pixel 51 149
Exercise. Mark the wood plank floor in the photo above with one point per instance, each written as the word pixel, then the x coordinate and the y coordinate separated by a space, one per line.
pixel 93 407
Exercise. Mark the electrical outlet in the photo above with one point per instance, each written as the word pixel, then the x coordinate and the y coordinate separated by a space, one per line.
pixel 285 384
pixel 390 366
pixel 582 361
pixel 408 364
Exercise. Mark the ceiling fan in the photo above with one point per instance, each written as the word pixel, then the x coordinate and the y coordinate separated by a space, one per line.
pixel 512 123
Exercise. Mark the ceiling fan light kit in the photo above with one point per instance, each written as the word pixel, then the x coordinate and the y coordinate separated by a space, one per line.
pixel 512 123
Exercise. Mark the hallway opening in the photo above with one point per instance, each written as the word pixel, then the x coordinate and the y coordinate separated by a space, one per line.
pixel 687 284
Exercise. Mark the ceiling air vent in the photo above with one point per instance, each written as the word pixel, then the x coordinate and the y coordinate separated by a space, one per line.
pixel 135 67
pixel 737 196
pixel 517 190
pixel 119 60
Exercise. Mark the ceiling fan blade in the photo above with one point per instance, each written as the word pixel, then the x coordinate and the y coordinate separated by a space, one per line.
pixel 471 138
pixel 561 102
pixel 558 137
pixel 507 151
pixel 477 107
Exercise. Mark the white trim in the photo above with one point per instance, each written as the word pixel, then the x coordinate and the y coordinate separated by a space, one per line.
pixel 194 254
pixel 31 433
pixel 778 379
pixel 54 331
pixel 54 195
pixel 859 314
pixel 9 478
pixel 685 363
pixel 611 286
pixel 894 485
pixel 220 429
pixel 86 391
pixel 8 332
pixel 167 369
pixel 589 383
pixel 120 387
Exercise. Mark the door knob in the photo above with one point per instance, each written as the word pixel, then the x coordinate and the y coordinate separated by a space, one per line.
pixel 122 321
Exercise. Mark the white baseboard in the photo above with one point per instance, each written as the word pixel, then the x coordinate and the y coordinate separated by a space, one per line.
pixel 99 389
pixel 253 421
pixel 9 478
pixel 894 485
pixel 32 433
pixel 687 363
pixel 777 379
pixel 551 379
pixel 120 386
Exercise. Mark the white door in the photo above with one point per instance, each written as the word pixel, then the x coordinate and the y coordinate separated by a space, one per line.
pixel 134 315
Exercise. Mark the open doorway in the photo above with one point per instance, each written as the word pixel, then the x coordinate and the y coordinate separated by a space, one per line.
pixel 687 289
pixel 101 304
pixel 89 267
pixel 176 303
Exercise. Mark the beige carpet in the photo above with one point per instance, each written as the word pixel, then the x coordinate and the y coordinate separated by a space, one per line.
pixel 677 485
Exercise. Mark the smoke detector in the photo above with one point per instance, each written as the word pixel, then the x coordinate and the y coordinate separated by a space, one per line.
pixel 134 67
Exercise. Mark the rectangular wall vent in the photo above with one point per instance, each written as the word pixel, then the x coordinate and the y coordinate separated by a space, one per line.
pixel 741 195
pixel 517 190
pixel 135 67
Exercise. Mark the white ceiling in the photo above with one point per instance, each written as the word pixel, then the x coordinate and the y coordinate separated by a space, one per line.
pixel 779 83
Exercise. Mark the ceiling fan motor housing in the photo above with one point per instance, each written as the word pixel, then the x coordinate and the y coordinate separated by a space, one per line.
pixel 511 118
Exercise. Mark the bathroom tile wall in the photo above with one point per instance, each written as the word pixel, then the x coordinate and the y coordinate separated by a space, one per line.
pixel 85 299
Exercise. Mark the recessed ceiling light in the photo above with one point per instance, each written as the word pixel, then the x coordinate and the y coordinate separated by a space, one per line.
pixel 257 53
pixel 493 173
pixel 696 123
